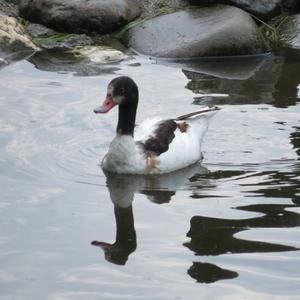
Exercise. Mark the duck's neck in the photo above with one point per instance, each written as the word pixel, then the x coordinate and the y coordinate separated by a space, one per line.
pixel 126 121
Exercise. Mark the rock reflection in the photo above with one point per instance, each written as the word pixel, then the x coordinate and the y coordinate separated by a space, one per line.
pixel 280 184
pixel 295 140
pixel 248 80
pixel 209 273
pixel 66 62
pixel 286 87
pixel 7 59
pixel 231 68
pixel 213 236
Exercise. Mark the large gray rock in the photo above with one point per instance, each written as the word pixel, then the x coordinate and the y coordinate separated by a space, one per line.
pixel 7 9
pixel 12 1
pixel 290 32
pixel 264 9
pixel 153 7
pixel 211 31
pixel 14 41
pixel 80 16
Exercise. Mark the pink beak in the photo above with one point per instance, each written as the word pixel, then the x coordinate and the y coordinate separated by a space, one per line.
pixel 107 105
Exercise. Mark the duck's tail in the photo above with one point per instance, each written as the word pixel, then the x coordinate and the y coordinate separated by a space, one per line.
pixel 195 114
pixel 197 122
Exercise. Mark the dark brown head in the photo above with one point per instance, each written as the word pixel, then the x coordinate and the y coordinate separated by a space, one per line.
pixel 122 91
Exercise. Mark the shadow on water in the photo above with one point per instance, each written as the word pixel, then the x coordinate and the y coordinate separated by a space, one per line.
pixel 208 236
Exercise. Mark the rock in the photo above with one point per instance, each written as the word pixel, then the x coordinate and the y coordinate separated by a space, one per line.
pixel 7 9
pixel 211 31
pixel 99 54
pixel 80 16
pixel 12 1
pixel 39 31
pixel 64 41
pixel 290 32
pixel 264 9
pixel 47 38
pixel 153 7
pixel 14 41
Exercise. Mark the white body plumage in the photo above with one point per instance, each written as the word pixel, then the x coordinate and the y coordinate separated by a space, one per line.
pixel 126 154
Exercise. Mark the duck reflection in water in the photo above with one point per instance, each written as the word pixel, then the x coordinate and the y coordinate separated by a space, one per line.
pixel 208 236
pixel 157 188
pixel 125 243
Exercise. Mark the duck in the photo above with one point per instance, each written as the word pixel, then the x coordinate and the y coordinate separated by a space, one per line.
pixel 157 145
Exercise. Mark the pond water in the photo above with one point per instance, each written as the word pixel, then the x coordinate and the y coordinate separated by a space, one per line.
pixel 227 228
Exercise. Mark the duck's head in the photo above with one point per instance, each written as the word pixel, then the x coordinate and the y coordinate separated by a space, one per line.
pixel 121 91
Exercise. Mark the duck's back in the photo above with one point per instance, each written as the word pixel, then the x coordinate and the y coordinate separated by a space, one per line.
pixel 184 142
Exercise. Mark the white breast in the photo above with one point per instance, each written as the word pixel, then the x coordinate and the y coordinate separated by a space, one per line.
pixel 124 156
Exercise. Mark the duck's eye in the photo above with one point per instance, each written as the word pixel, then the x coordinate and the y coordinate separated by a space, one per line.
pixel 122 90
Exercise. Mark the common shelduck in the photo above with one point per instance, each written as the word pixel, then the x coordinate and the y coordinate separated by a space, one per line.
pixel 156 146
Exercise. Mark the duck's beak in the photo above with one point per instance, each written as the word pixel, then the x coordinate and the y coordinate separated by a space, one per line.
pixel 106 106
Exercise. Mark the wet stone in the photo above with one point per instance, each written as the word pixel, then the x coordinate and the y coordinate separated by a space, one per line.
pixel 15 43
pixel 211 31
pixel 264 9
pixel 64 41
pixel 81 16
pixel 38 30
pixel 7 8
pixel 290 32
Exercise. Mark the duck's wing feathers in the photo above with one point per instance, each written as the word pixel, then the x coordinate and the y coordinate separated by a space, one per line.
pixel 156 135
pixel 163 135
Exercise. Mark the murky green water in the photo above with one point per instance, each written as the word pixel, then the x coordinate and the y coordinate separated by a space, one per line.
pixel 225 229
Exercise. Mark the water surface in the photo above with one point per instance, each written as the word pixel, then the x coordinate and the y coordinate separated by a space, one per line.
pixel 227 228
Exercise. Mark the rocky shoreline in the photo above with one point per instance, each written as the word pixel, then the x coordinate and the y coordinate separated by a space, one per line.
pixel 100 31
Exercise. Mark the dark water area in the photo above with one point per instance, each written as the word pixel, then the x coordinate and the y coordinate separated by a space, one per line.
pixel 226 228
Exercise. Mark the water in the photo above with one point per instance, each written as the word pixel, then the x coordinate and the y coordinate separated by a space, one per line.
pixel 224 229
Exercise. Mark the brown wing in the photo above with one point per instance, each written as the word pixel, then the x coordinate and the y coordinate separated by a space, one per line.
pixel 159 142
